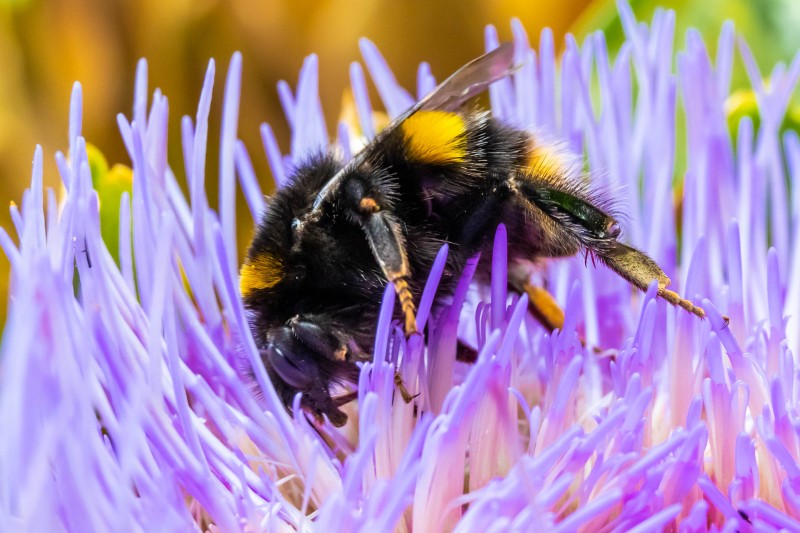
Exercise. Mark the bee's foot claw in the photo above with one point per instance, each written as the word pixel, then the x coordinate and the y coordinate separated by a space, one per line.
pixel 401 387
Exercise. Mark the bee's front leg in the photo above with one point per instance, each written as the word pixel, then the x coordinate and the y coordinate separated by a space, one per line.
pixel 388 246
pixel 385 236
pixel 401 387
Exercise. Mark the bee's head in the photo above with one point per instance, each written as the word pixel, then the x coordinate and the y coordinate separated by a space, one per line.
pixel 293 367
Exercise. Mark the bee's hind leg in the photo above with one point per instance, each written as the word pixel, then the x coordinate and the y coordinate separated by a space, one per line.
pixel 541 304
pixel 569 220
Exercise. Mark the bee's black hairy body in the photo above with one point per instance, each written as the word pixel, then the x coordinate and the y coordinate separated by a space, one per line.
pixel 332 271
pixel 330 276
pixel 329 242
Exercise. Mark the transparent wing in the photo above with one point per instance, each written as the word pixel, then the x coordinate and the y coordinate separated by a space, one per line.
pixel 466 83
pixel 470 80
pixel 450 95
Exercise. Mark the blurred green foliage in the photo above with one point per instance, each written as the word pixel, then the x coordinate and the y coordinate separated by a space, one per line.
pixel 110 184
pixel 770 27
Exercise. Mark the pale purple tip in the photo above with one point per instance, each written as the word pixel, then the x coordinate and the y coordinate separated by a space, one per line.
pixel 134 397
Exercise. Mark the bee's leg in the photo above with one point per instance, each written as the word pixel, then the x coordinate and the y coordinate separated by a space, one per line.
pixel 386 241
pixel 401 387
pixel 406 304
pixel 544 308
pixel 388 246
pixel 568 221
pixel 541 305
pixel 640 270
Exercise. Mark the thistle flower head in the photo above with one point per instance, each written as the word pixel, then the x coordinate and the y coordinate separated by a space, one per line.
pixel 125 407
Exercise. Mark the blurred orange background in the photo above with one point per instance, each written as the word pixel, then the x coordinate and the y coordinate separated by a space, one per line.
pixel 47 45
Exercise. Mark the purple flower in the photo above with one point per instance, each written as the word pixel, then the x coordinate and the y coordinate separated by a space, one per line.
pixel 125 404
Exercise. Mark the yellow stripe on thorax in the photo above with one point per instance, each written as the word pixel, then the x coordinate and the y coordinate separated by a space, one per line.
pixel 263 271
pixel 435 137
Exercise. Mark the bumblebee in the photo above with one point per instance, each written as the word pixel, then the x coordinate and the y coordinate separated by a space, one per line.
pixel 330 241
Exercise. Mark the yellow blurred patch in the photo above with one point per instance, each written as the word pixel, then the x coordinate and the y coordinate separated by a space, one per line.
pixel 435 137
pixel 120 175
pixel 262 272
pixel 98 165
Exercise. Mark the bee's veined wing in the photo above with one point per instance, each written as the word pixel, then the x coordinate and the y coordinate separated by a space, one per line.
pixel 470 80
pixel 467 82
